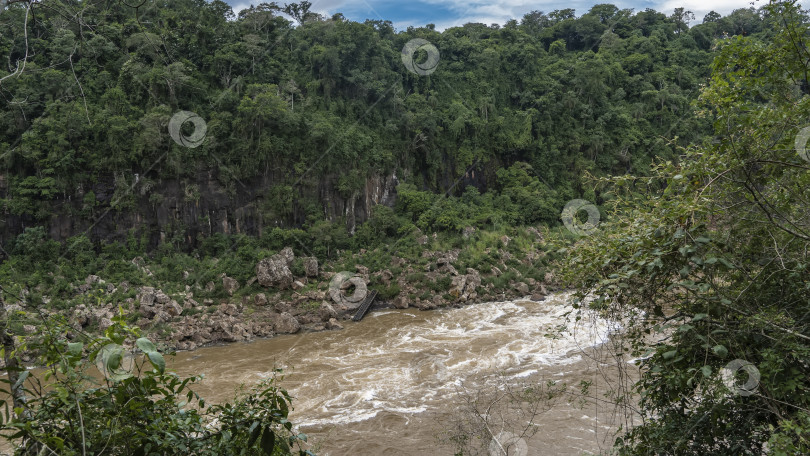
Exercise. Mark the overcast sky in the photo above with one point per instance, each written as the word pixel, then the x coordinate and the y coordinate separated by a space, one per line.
pixel 449 13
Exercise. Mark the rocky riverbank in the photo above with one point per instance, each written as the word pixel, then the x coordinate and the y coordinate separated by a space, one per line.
pixel 277 301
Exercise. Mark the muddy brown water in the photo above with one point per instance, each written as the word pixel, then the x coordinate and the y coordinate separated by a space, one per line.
pixel 387 385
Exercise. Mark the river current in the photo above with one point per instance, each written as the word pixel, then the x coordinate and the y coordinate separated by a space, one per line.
pixel 393 382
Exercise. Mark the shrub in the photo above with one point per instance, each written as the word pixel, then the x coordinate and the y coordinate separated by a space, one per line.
pixel 140 410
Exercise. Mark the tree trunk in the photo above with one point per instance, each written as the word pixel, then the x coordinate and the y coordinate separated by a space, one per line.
pixel 12 364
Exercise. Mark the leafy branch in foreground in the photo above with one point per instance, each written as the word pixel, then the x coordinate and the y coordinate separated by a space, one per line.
pixel 94 398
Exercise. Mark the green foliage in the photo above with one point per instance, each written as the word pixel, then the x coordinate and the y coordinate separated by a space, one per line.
pixel 327 104
pixel 136 407
pixel 707 263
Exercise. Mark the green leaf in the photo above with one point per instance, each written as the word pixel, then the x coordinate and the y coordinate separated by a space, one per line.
pixel 255 431
pixel 707 371
pixel 157 361
pixel 268 441
pixel 720 351
pixel 24 375
pixel 75 348
pixel 670 354
pixel 703 240
pixel 145 345
pixel 685 327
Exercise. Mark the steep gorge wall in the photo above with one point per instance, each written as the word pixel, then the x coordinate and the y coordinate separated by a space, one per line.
pixel 165 208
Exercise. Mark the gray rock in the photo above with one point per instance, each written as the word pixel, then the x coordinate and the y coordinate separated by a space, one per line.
pixel 162 316
pixel 401 302
pixel 457 285
pixel 260 299
pixel 173 308
pixel 161 297
pixel 297 285
pixel 311 266
pixel 285 323
pixel 473 282
pixel 386 276
pixel 230 285
pixel 288 254
pixel 274 272
pixel 104 323
pixel 333 324
pixel 522 288
pixel 326 311
pixel 146 296
pixel 468 231
pixel 229 309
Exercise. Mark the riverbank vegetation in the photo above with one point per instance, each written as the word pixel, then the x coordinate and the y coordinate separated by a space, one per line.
pixel 709 254
pixel 91 398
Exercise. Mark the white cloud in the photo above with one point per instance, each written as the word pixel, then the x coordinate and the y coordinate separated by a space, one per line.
pixel 500 11
pixel 701 8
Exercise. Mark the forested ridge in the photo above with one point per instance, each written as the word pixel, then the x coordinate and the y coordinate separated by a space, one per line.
pixel 300 115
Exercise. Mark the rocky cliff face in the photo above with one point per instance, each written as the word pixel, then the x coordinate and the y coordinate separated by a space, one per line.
pixel 171 207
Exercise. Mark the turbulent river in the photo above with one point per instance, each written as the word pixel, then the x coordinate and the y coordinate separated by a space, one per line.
pixel 391 383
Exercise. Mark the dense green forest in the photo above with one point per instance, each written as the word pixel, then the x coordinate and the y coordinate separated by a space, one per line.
pixel 685 136
pixel 84 126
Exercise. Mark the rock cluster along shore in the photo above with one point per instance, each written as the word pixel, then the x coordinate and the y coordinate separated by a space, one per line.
pixel 283 303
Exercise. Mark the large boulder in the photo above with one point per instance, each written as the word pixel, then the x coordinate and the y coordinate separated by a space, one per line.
pixel 274 272
pixel 311 266
pixel 457 285
pixel 333 324
pixel 401 302
pixel 326 311
pixel 473 282
pixel 230 285
pixel 146 296
pixel 161 297
pixel 464 287
pixel 285 323
pixel 173 308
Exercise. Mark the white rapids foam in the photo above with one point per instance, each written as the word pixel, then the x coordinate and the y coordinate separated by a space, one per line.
pixel 414 363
